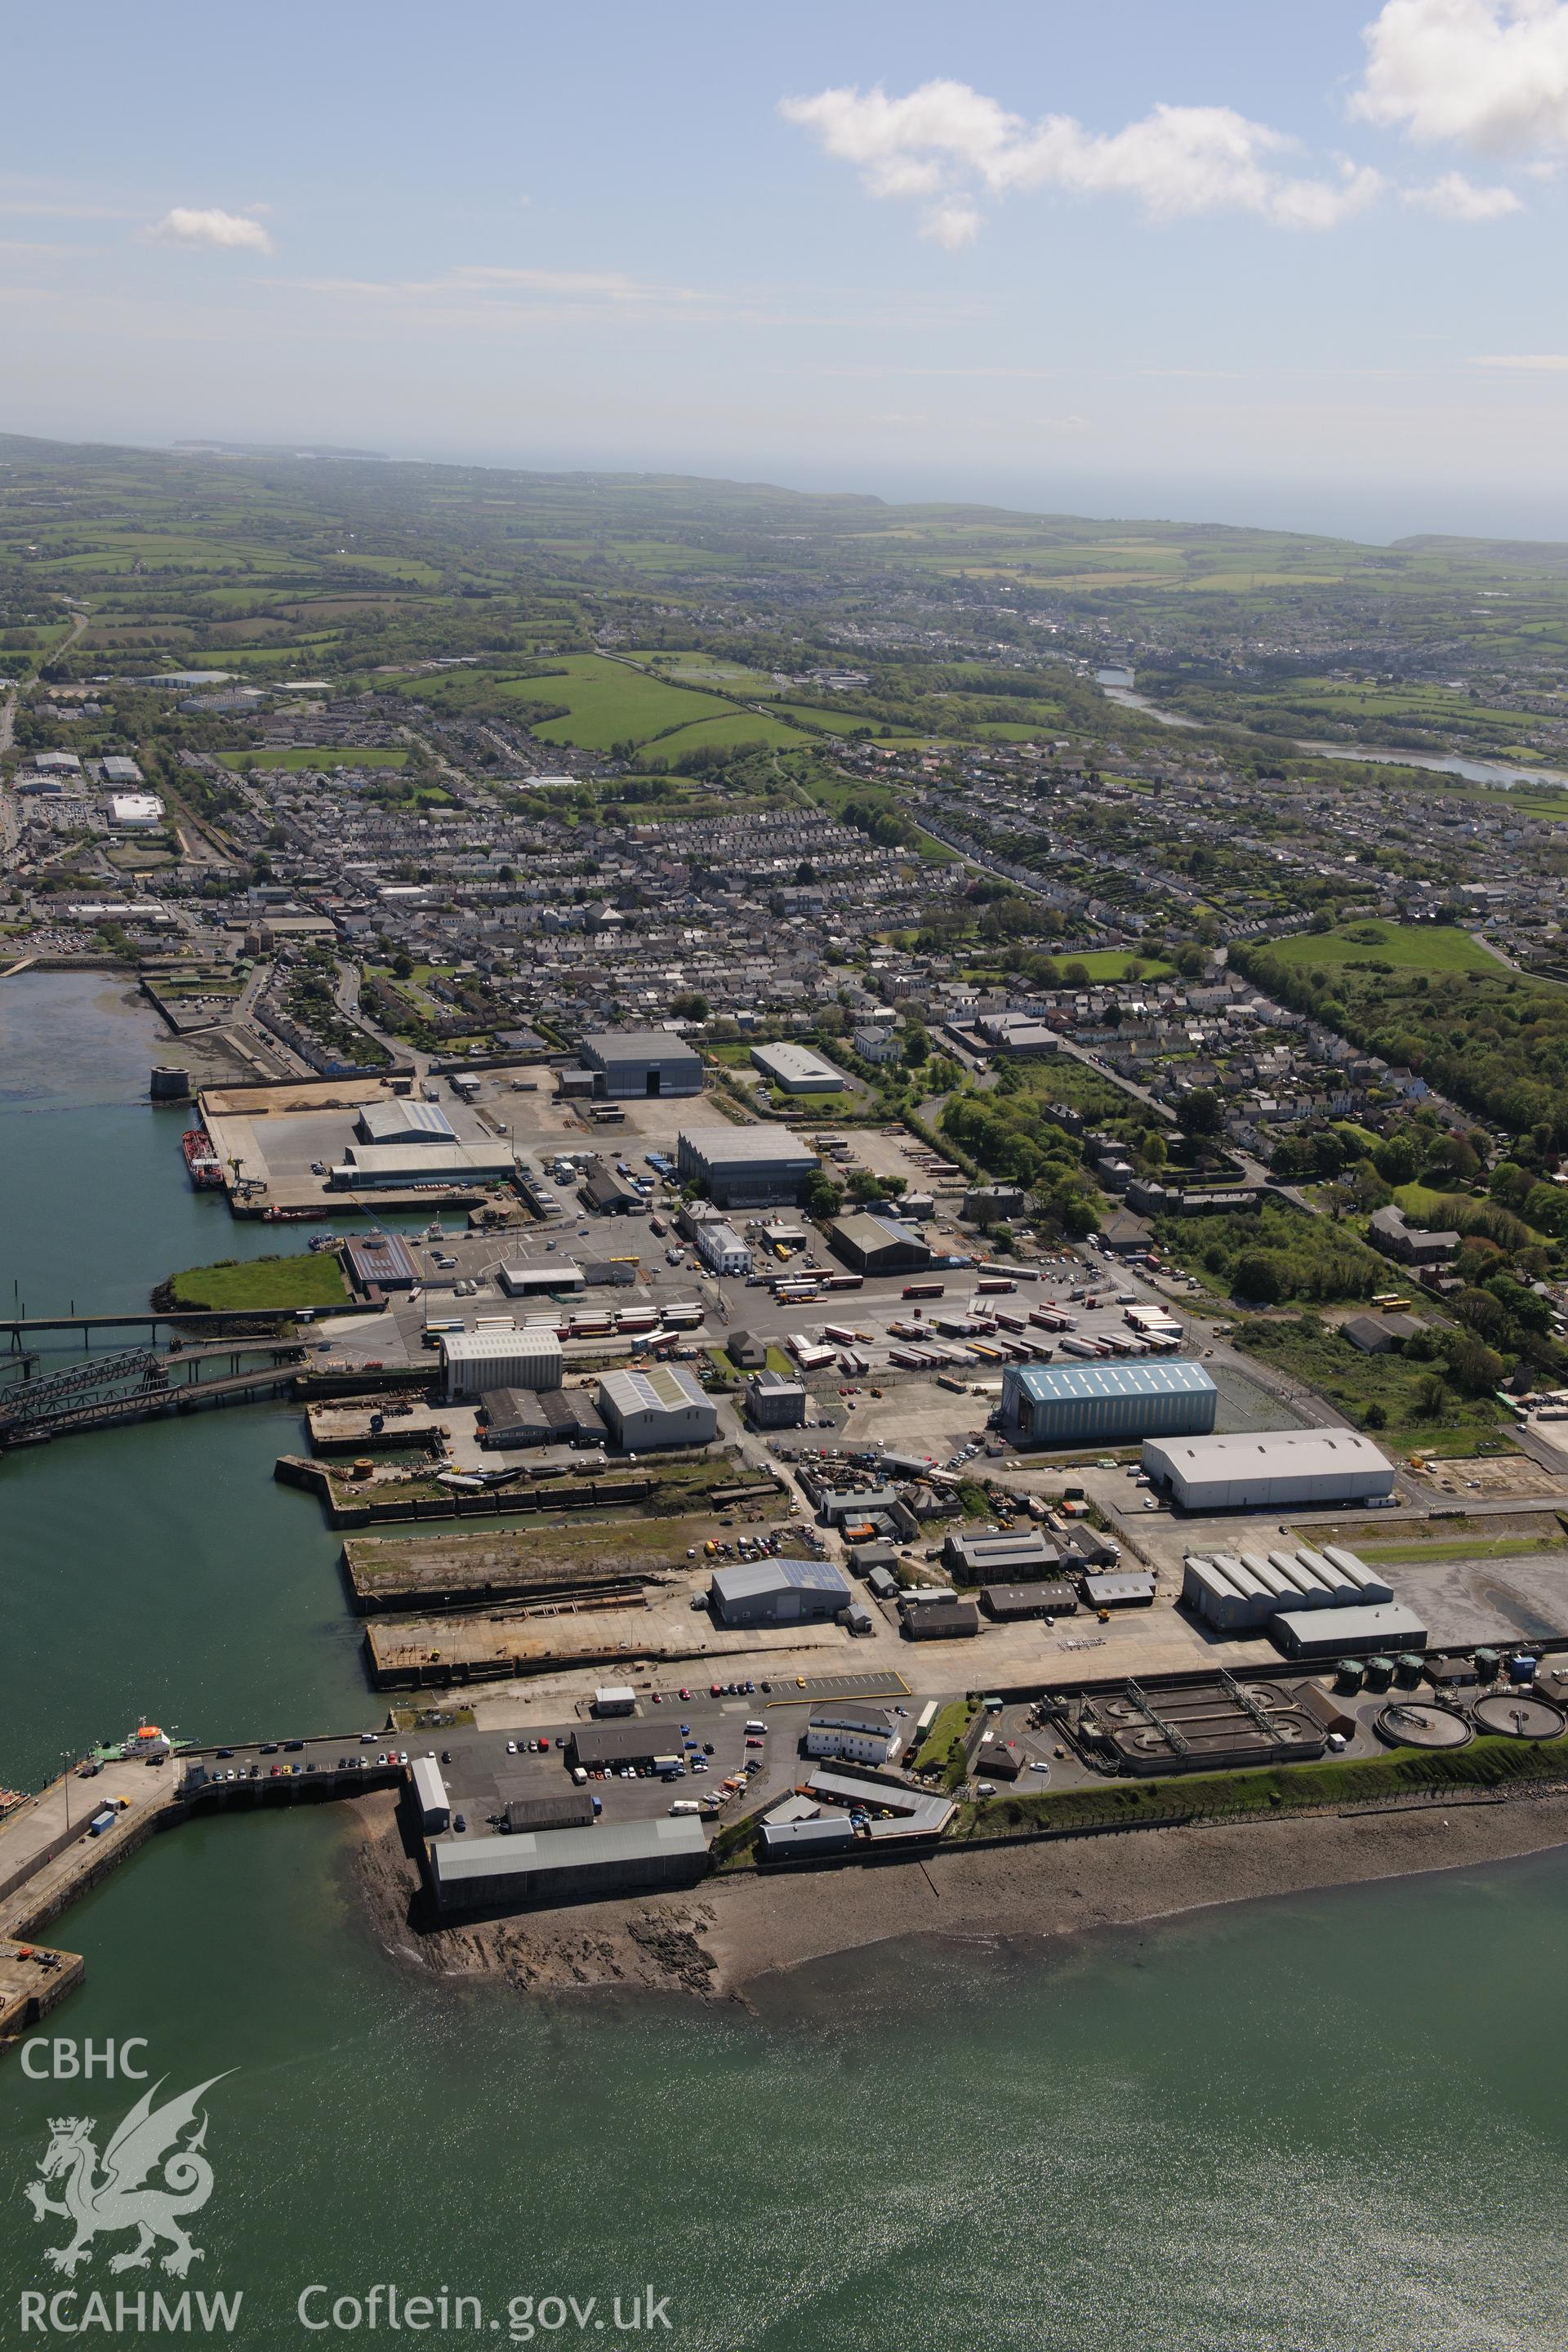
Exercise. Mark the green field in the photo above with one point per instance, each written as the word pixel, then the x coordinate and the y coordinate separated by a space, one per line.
pixel 318 756
pixel 701 669
pixel 1112 963
pixel 314 1279
pixel 727 734
pixel 1408 947
pixel 610 702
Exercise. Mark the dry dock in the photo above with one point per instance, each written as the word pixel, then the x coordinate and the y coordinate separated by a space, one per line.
pixel 554 1563
pixel 437 1652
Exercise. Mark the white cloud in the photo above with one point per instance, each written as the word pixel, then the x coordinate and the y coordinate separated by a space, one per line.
pixel 954 223
pixel 1458 199
pixel 1547 363
pixel 945 144
pixel 236 231
pixel 1491 74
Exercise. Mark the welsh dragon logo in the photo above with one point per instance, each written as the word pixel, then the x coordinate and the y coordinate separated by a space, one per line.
pixel 120 2196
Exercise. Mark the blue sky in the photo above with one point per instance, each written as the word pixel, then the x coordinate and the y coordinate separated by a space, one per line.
pixel 1295 262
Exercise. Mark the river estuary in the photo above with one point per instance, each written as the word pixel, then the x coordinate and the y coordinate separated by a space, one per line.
pixel 1337 2123
pixel 1117 686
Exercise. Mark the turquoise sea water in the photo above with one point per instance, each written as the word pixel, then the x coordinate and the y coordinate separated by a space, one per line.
pixel 1333 2124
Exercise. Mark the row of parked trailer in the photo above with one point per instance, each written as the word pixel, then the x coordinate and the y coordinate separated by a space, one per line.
pixel 1233 1589
pixel 632 1322
pixel 801 1289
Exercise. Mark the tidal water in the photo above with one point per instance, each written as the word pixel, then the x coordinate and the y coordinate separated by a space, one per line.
pixel 1117 687
pixel 1332 2124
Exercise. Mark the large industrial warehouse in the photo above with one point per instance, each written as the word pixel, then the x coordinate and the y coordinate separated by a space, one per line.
pixel 745 1167
pixel 878 1244
pixel 644 1410
pixel 1268 1470
pixel 557 1866
pixel 404 1121
pixel 474 1361
pixel 797 1070
pixel 1085 1404
pixel 778 1591
pixel 628 1063
pixel 408 1166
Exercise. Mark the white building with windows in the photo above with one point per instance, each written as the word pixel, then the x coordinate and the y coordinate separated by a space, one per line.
pixel 721 1248
pixel 861 1734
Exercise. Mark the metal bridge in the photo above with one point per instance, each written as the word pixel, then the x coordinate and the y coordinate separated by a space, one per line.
pixel 133 1385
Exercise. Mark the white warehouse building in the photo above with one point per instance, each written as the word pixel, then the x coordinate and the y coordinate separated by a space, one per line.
pixel 403 1120
pixel 646 1411
pixel 135 811
pixel 1267 1470
pixel 430 1796
pixel 502 1357
pixel 797 1070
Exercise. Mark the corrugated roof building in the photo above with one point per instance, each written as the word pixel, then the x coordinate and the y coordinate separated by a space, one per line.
pixel 628 1063
pixel 796 1069
pixel 404 1123
pixel 1077 1404
pixel 878 1244
pixel 745 1167
pixel 778 1591
pixel 554 1865
pixel 1269 1469
pixel 645 1410
pixel 473 1361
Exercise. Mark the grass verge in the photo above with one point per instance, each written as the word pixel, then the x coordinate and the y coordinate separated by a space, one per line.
pixel 1485 1763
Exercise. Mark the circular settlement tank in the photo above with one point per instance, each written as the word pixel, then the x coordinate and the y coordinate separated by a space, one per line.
pixel 169 1084
pixel 1520 1714
pixel 1421 1723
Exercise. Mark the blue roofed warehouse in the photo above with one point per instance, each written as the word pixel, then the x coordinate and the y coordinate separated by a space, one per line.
pixel 1089 1404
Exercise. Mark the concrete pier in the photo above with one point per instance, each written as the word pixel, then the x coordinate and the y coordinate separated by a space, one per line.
pixel 33 1978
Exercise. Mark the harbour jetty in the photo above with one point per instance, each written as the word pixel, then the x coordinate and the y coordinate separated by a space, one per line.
pixel 58 1844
